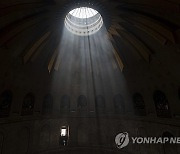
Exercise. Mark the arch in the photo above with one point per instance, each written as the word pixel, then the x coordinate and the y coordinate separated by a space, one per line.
pixel 119 104
pixel 5 103
pixel 139 104
pixel 1 142
pixel 65 103
pixel 82 102
pixel 83 134
pixel 23 140
pixel 161 104
pixel 28 104
pixel 143 148
pixel 47 104
pixel 44 140
pixel 100 104
pixel 167 147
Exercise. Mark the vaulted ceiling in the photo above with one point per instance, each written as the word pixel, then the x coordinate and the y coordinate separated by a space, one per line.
pixel 29 28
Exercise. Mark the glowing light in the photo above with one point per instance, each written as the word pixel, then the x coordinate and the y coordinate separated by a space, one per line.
pixel 83 21
pixel 83 12
pixel 63 132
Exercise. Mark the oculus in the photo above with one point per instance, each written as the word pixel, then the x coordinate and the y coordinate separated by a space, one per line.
pixel 83 21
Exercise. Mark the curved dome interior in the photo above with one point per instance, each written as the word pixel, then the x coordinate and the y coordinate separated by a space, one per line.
pixel 88 78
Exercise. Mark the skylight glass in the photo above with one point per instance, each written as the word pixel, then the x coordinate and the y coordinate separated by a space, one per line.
pixel 83 12
pixel 83 21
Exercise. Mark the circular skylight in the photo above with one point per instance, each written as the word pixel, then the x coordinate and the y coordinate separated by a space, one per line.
pixel 83 21
pixel 83 12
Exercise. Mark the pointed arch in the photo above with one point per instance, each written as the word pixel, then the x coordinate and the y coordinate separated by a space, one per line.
pixel 65 103
pixel 119 105
pixel 100 104
pixel 82 102
pixel 161 104
pixel 5 103
pixel 28 104
pixel 139 104
pixel 47 104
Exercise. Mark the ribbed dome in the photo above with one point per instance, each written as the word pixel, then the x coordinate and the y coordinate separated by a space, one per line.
pixel 76 73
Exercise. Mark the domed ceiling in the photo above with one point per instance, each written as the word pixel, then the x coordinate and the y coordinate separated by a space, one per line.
pixel 29 29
